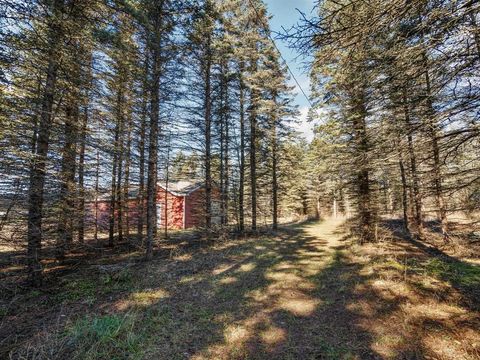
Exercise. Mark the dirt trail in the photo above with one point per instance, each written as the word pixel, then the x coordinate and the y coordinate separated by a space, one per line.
pixel 328 230
pixel 299 312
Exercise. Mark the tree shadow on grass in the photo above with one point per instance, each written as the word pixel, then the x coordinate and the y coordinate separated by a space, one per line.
pixel 279 302
pixel 283 297
pixel 463 276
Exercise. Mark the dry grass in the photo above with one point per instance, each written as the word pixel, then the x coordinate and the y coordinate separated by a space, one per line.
pixel 303 293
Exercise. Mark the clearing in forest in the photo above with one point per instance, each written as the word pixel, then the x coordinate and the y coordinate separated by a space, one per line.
pixel 303 293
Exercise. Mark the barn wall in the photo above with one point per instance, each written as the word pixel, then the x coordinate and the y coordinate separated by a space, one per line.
pixel 174 209
pixel 194 210
pixel 103 214
pixel 195 207
pixel 174 216
pixel 192 201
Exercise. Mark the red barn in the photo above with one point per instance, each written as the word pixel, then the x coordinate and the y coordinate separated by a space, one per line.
pixel 180 204
pixel 185 204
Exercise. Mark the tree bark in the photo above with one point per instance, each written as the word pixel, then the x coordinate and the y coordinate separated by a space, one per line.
pixel 365 211
pixel 120 157
pixel 224 145
pixel 275 185
pixel 437 173
pixel 167 180
pixel 208 125
pixel 253 150
pixel 67 178
pixel 97 176
pixel 227 160
pixel 222 150
pixel 241 188
pixel 404 190
pixel 418 216
pixel 113 192
pixel 81 182
pixel 274 169
pixel 154 44
pixel 67 172
pixel 141 150
pixel 126 183
pixel 37 171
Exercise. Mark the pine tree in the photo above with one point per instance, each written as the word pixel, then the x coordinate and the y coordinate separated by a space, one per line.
pixel 55 34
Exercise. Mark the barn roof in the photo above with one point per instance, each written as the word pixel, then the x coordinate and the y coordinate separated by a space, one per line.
pixel 177 188
pixel 182 188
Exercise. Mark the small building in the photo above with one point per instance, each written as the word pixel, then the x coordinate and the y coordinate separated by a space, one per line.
pixel 179 204
pixel 185 204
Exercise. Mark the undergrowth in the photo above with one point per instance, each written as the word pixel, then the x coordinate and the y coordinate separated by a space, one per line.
pixel 88 289
pixel 105 337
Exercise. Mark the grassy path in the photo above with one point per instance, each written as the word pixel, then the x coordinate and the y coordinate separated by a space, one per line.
pixel 286 299
pixel 303 293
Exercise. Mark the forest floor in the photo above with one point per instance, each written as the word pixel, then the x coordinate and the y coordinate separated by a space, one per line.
pixel 305 292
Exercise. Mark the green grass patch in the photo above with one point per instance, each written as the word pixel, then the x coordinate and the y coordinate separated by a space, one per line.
pixel 78 289
pixel 332 352
pixel 457 272
pixel 393 264
pixel 105 337
pixel 117 281
pixel 199 313
pixel 462 273
pixel 101 329
pixel 411 265
pixel 88 288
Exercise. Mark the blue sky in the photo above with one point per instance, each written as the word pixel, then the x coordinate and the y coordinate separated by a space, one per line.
pixel 285 14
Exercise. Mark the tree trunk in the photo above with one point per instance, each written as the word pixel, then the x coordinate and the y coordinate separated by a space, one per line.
pixel 253 150
pixel 274 170
pixel 227 160
pixel 224 146
pixel 37 171
pixel 275 188
pixel 81 176
pixel 120 156
pixel 113 192
pixel 413 168
pixel 97 176
pixel 404 190
pixel 152 162
pixel 317 209
pixel 141 150
pixel 365 211
pixel 167 179
pixel 241 187
pixel 155 46
pixel 208 125
pixel 126 184
pixel 67 180
pixel 437 173
pixel 222 154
